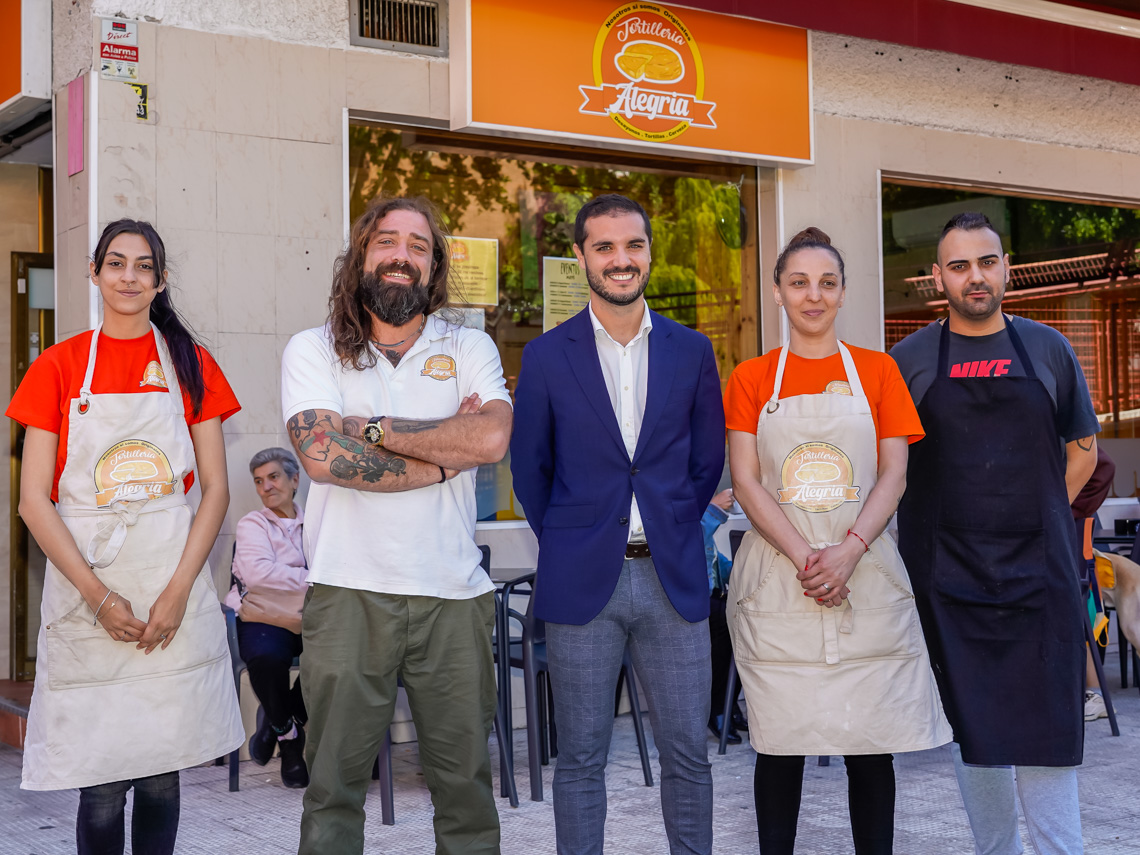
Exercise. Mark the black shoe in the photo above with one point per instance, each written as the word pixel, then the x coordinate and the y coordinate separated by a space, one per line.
pixel 739 722
pixel 294 773
pixel 263 741
pixel 733 736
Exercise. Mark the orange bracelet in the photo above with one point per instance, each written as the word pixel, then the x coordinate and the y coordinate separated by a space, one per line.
pixel 866 548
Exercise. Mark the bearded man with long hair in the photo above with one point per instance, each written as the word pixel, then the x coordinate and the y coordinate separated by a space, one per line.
pixel 391 407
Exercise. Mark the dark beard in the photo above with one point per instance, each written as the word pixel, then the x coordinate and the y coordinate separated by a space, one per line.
pixel 598 285
pixel 977 311
pixel 391 302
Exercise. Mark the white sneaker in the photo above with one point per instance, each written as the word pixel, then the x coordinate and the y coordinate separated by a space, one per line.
pixel 1094 706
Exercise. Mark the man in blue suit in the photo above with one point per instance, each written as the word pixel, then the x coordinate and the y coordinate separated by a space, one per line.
pixel 618 447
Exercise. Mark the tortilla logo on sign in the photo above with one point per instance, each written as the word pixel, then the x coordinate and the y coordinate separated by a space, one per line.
pixel 648 75
pixel 458 250
pixel 131 470
pixel 817 477
pixel 439 367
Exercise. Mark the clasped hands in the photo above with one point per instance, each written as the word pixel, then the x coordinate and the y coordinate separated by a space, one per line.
pixel 118 619
pixel 827 570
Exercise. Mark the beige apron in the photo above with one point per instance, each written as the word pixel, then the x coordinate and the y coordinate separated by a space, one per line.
pixel 101 710
pixel 854 679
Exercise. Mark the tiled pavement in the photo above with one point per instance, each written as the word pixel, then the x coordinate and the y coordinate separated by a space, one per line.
pixel 263 817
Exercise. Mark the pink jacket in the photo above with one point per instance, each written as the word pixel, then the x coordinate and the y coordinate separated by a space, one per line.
pixel 268 554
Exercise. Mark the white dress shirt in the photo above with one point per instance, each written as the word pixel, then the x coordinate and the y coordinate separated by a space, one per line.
pixel 625 368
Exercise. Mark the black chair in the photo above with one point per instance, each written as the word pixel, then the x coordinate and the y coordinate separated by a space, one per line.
pixel 1086 575
pixel 734 539
pixel 382 770
pixel 239 667
pixel 528 652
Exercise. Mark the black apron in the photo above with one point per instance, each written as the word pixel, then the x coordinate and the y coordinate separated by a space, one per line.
pixel 987 536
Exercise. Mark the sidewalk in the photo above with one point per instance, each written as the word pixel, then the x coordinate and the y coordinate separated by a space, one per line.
pixel 263 817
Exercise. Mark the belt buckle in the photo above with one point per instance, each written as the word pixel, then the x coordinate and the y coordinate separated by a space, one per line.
pixel 637 550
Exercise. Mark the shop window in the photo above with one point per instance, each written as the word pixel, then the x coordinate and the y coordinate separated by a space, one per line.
pixel 412 26
pixel 511 207
pixel 1075 266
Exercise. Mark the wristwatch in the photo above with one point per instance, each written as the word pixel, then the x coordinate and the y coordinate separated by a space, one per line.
pixel 372 433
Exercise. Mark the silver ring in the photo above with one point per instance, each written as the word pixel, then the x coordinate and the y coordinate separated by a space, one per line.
pixel 162 638
pixel 826 587
pixel 122 636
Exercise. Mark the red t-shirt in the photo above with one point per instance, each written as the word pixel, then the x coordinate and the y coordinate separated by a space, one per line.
pixel 750 387
pixel 122 366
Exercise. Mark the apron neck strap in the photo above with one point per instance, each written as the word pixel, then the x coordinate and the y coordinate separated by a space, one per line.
pixel 163 358
pixel 848 366
pixel 1014 339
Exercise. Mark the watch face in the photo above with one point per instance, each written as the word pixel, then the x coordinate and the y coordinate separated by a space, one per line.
pixel 371 434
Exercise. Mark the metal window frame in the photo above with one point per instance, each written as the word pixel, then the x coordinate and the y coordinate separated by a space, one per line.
pixel 355 38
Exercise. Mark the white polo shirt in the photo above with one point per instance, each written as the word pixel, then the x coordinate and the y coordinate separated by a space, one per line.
pixel 417 542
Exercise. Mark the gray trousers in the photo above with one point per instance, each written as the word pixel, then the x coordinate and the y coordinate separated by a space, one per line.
pixel 671 657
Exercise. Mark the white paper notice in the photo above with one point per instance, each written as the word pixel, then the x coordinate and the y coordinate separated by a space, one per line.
pixel 565 291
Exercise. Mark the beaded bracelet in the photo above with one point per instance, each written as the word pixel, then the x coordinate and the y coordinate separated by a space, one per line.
pixel 866 548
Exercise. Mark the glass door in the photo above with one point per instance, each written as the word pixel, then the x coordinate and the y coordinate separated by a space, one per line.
pixel 33 329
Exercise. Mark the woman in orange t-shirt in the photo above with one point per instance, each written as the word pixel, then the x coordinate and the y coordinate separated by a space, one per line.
pixel 133 676
pixel 825 632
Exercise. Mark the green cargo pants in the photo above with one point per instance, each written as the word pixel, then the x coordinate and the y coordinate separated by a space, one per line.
pixel 355 645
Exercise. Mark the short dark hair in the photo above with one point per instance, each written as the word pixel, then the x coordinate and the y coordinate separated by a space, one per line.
pixel 607 205
pixel 967 221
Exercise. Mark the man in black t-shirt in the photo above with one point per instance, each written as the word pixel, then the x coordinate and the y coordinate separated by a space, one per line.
pixel 986 533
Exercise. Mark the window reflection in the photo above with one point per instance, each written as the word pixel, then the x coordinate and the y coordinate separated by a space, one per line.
pixel 1074 264
pixel 526 197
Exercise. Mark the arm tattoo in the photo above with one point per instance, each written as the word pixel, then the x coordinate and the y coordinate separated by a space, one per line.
pixel 353 426
pixel 317 439
pixel 370 467
pixel 414 425
pixel 1081 444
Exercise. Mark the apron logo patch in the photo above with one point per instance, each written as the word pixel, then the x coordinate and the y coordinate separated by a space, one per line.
pixel 838 387
pixel 131 470
pixel 817 477
pixel 439 367
pixel 153 375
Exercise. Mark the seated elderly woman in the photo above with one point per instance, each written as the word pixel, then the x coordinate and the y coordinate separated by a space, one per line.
pixel 268 590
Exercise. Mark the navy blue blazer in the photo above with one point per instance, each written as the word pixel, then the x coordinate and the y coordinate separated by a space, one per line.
pixel 575 479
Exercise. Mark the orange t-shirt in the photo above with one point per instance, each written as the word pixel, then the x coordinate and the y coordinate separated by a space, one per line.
pixel 122 366
pixel 750 388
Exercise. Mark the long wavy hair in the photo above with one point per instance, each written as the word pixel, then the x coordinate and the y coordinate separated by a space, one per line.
pixel 350 322
pixel 180 338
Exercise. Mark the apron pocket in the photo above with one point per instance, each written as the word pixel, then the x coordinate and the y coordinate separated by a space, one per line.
pixel 993 580
pixel 778 637
pixel 880 633
pixel 89 657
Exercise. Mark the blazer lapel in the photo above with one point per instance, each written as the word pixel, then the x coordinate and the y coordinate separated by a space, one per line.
pixel 582 353
pixel 662 362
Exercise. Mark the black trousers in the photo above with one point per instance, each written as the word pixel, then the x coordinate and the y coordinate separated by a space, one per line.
pixel 268 652
pixel 870 797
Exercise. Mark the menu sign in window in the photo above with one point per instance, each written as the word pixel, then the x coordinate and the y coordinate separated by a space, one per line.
pixel 565 291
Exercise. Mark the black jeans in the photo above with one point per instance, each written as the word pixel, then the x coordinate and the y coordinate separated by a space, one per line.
pixel 99 827
pixel 870 797
pixel 268 652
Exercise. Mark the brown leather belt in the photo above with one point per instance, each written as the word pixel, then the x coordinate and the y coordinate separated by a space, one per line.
pixel 637 550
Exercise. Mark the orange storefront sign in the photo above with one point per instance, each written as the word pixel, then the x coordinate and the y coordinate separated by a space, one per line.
pixel 639 74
